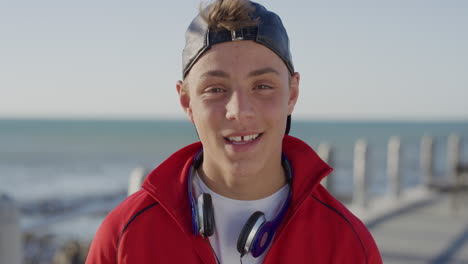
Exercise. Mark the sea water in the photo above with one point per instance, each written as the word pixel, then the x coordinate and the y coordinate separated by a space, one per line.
pixel 67 174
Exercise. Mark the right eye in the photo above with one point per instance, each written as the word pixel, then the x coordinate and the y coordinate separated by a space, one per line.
pixel 214 90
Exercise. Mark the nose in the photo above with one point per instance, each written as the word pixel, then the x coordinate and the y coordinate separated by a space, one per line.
pixel 240 106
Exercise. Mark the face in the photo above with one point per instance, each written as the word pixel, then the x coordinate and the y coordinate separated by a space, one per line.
pixel 239 95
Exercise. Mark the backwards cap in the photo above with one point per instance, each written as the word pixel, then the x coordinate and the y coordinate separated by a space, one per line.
pixel 269 32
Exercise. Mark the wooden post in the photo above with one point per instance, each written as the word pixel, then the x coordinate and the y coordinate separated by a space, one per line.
pixel 136 179
pixel 427 159
pixel 453 157
pixel 10 232
pixel 393 167
pixel 360 177
pixel 325 153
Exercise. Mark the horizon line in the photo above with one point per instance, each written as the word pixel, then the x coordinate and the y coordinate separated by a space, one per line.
pixel 175 118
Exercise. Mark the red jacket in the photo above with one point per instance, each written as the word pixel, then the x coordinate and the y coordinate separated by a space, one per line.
pixel 154 225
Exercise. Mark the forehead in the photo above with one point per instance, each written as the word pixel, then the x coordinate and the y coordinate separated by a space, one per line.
pixel 238 58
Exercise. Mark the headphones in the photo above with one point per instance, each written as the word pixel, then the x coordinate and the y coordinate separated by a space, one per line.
pixel 256 234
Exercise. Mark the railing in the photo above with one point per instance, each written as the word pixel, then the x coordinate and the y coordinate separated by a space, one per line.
pixel 455 179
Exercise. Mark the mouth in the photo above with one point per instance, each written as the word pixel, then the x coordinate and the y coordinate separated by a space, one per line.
pixel 241 140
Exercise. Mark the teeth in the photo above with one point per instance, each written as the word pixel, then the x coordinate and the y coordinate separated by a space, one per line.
pixel 251 137
pixel 235 139
pixel 243 138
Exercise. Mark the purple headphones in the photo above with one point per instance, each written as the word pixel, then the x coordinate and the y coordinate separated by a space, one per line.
pixel 256 234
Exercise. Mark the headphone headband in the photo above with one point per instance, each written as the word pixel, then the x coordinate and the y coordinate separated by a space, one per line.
pixel 197 160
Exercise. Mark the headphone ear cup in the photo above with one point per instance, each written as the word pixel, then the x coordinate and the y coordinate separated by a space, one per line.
pixel 208 215
pixel 246 231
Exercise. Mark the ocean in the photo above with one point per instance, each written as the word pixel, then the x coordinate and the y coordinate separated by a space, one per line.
pixel 66 175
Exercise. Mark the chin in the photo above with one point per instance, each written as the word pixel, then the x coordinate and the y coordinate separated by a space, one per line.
pixel 244 167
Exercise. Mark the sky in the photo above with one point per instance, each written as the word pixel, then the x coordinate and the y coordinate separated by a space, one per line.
pixel 360 59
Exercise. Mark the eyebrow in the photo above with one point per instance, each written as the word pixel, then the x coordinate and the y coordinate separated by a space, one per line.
pixel 263 71
pixel 223 74
pixel 215 73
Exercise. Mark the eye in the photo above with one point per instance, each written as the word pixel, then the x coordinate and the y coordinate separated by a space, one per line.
pixel 214 90
pixel 263 87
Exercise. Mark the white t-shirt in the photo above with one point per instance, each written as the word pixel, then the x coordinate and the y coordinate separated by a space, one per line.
pixel 231 216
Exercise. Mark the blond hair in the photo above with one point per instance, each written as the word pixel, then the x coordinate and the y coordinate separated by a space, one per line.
pixel 228 14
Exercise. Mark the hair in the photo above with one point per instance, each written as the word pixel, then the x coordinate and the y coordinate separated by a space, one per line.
pixel 228 14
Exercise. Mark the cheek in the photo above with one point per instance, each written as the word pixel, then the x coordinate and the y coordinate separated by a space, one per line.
pixel 206 115
pixel 278 110
pixel 278 105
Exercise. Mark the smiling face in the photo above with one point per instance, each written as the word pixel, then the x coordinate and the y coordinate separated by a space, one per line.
pixel 239 95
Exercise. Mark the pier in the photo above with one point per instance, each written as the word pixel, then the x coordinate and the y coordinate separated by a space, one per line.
pixel 423 227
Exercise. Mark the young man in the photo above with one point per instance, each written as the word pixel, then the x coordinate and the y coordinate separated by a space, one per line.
pixel 247 193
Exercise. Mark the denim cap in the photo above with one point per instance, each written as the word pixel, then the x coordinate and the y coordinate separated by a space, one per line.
pixel 269 32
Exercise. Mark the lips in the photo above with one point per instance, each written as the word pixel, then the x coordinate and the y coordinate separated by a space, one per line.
pixel 239 140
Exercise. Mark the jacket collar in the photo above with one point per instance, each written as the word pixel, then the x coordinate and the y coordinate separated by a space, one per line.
pixel 168 182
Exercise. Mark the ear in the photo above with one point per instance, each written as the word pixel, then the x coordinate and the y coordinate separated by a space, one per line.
pixel 293 91
pixel 184 99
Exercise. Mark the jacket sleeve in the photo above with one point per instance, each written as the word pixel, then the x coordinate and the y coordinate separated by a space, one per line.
pixel 373 254
pixel 103 249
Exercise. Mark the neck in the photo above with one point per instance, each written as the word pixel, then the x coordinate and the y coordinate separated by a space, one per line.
pixel 240 182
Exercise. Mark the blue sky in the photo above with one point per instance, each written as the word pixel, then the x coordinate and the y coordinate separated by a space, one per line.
pixel 363 59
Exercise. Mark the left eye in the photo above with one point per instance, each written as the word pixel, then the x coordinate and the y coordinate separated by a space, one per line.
pixel 263 86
